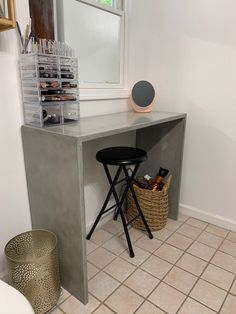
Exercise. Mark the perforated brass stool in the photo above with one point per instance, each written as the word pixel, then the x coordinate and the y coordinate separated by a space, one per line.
pixel 121 157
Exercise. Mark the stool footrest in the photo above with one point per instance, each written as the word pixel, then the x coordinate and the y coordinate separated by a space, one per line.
pixel 107 210
pixel 122 180
pixel 133 219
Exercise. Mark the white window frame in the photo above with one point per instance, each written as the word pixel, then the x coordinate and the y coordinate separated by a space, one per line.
pixel 93 91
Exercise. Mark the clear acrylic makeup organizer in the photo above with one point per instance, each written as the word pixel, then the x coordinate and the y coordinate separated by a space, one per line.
pixel 50 88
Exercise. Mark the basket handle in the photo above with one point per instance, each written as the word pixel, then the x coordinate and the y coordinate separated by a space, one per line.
pixel 167 185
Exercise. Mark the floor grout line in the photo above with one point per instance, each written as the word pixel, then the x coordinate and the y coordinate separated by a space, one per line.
pixel 138 267
pixel 162 280
pixel 199 277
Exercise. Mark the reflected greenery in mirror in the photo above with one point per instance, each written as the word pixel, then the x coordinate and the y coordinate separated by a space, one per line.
pixel 107 2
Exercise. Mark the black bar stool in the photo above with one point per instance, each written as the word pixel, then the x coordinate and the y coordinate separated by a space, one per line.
pixel 121 157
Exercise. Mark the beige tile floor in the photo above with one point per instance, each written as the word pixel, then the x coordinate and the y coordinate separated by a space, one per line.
pixel 188 268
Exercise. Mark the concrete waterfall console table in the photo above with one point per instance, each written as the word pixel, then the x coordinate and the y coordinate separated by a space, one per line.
pixel 54 170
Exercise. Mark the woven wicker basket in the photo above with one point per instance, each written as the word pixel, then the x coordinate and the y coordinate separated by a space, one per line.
pixel 154 206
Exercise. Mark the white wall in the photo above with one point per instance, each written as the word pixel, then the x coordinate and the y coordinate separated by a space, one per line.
pixel 14 206
pixel 186 48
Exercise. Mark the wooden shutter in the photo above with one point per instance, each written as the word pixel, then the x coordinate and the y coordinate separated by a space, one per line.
pixel 41 12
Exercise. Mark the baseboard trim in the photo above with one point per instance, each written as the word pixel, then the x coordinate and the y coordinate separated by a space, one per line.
pixel 208 217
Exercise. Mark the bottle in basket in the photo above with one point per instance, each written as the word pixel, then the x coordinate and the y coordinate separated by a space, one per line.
pixel 157 183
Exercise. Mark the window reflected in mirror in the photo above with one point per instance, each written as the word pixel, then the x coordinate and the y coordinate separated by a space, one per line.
pixel 96 35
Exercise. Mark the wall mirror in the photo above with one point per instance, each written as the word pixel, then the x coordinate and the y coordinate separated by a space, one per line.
pixel 96 33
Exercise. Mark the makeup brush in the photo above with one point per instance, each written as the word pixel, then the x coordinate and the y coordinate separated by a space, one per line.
pixel 26 36
pixel 19 34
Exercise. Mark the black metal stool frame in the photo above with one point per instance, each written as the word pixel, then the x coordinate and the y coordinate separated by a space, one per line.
pixel 129 185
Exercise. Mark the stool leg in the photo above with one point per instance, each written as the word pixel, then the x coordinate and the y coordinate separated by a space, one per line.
pixel 131 252
pixel 106 201
pixel 128 180
pixel 137 205
pixel 116 215
pixel 119 205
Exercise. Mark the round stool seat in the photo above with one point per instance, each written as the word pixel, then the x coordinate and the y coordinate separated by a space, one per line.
pixel 121 155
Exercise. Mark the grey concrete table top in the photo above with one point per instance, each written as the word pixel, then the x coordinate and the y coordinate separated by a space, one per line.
pixel 90 128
